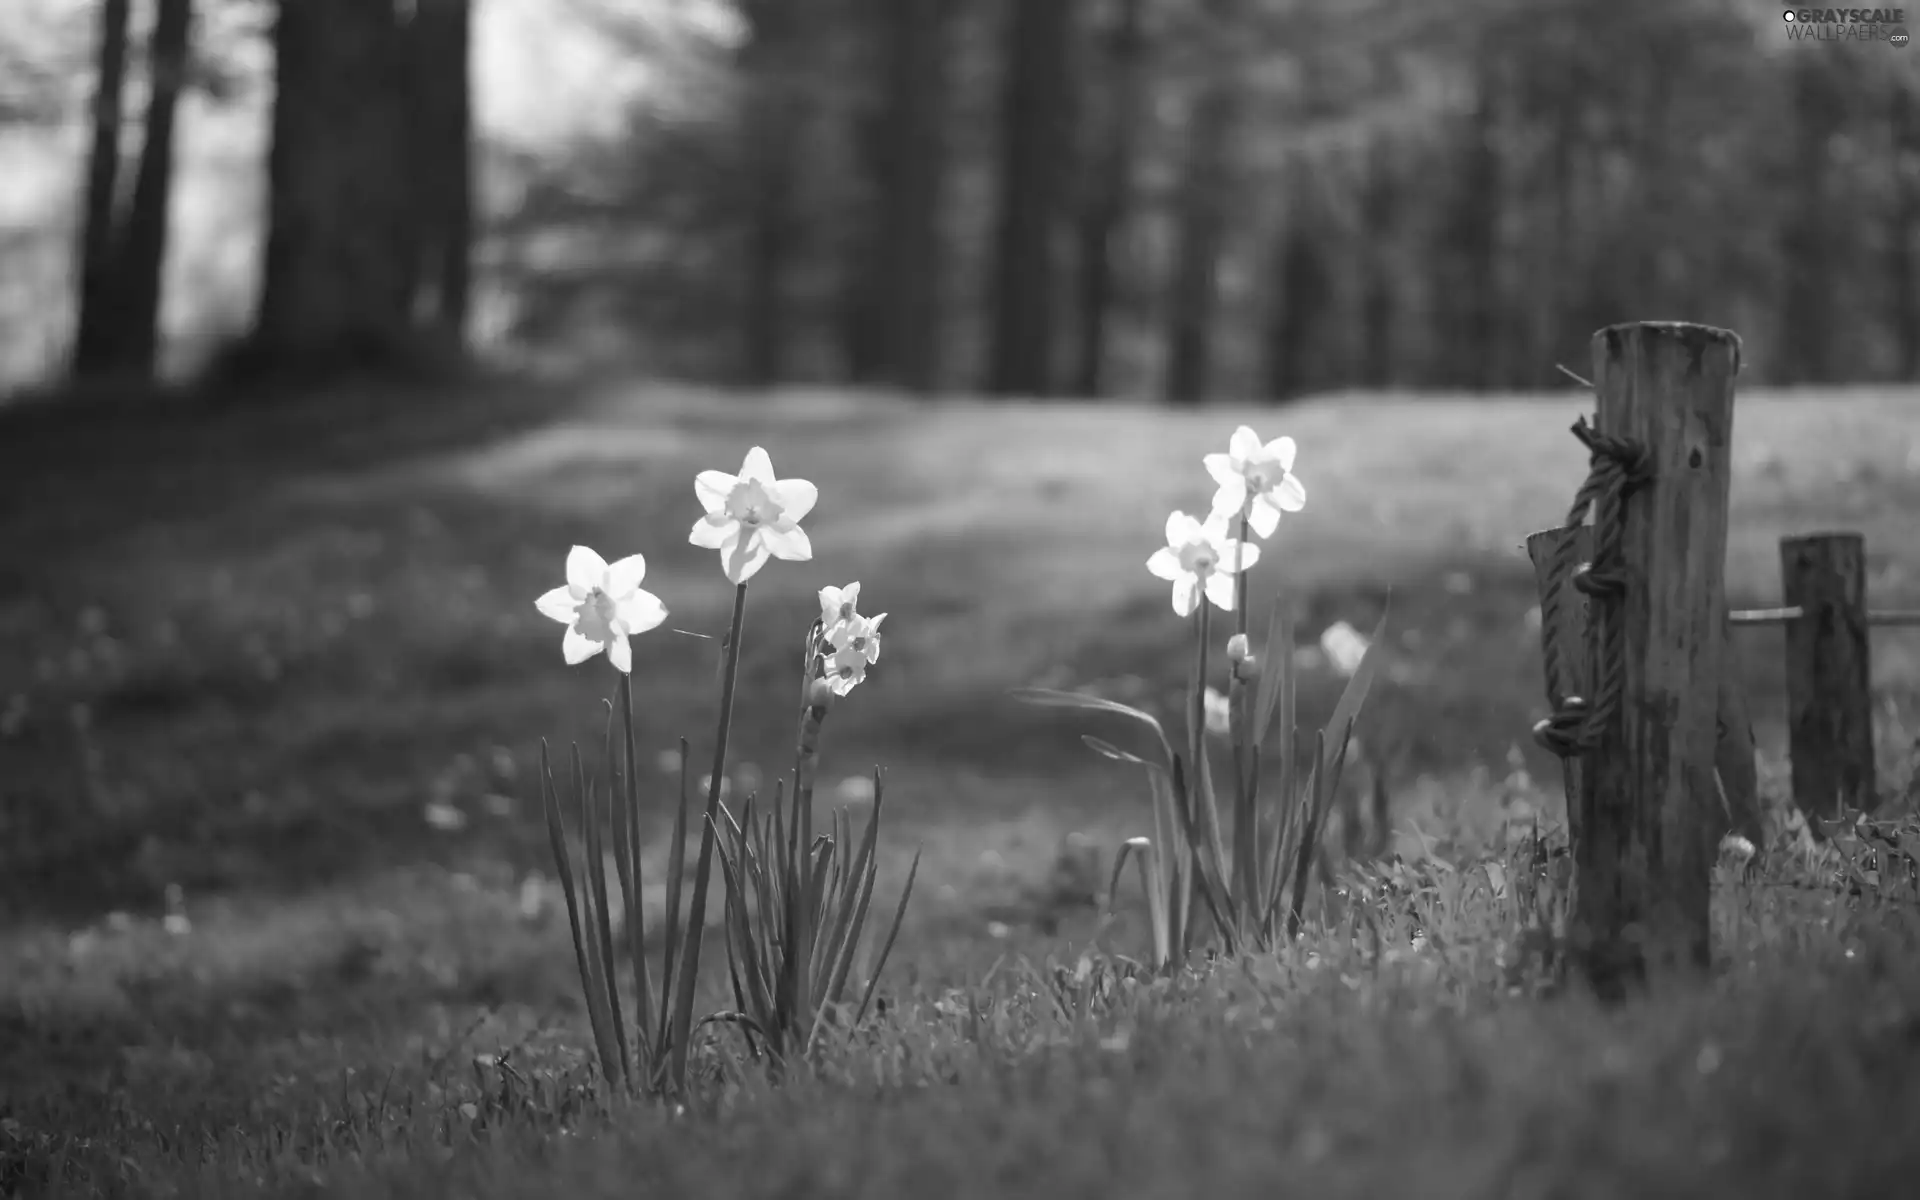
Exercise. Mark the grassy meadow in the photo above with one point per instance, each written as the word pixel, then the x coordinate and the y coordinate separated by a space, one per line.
pixel 276 910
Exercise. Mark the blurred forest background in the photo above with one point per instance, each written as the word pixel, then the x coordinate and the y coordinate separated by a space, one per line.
pixel 1176 199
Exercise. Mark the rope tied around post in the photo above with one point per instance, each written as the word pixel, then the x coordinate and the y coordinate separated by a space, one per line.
pixel 1615 467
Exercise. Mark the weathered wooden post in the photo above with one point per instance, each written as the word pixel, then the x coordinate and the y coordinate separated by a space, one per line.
pixel 1657 633
pixel 1829 699
pixel 1735 763
pixel 1563 640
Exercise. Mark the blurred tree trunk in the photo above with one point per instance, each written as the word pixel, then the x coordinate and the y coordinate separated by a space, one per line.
pixel 1300 284
pixel 1103 215
pixel 1806 247
pixel 139 260
pixel 1381 207
pixel 1560 274
pixel 1201 213
pixel 775 121
pixel 1474 233
pixel 97 234
pixel 337 280
pixel 439 42
pixel 1033 146
pixel 1903 272
pixel 912 173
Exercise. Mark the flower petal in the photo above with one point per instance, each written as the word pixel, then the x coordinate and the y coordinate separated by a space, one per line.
pixel 1265 517
pixel 585 569
pixel 1220 590
pixel 1230 499
pixel 578 648
pixel 1282 450
pixel 559 604
pixel 1248 553
pixel 640 611
pixel 713 487
pixel 758 467
pixel 1291 494
pixel 787 540
pixel 1179 528
pixel 742 557
pixel 620 654
pixel 624 576
pixel 711 532
pixel 1220 466
pixel 1186 594
pixel 1244 444
pixel 796 497
pixel 1164 564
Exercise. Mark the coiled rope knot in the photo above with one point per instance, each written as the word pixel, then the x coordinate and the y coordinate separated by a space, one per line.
pixel 1605 582
pixel 1563 733
pixel 1616 466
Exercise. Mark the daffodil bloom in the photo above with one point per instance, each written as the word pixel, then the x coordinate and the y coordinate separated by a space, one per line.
pixel 1256 480
pixel 847 669
pixel 858 635
pixel 1200 558
pixel 753 515
pixel 838 605
pixel 602 605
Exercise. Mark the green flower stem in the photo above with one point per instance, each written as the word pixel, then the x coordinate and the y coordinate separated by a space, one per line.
pixel 703 869
pixel 636 888
pixel 798 935
pixel 1199 799
pixel 1246 821
pixel 1240 568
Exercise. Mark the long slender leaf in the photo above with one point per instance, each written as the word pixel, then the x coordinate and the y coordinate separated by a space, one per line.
pixel 632 886
pixel 676 885
pixel 893 931
pixel 602 899
pixel 1054 698
pixel 563 862
pixel 1355 693
pixel 591 897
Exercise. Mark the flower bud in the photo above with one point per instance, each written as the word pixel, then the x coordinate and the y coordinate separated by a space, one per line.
pixel 1245 665
pixel 820 692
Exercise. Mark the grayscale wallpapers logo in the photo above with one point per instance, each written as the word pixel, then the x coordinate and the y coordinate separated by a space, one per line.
pixel 1847 25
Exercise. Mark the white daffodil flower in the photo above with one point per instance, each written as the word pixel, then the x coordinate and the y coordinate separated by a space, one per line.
pixel 858 635
pixel 753 515
pixel 838 605
pixel 1257 480
pixel 1200 558
pixel 602 606
pixel 847 669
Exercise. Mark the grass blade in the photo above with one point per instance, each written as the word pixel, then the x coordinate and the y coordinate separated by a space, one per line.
pixel 886 947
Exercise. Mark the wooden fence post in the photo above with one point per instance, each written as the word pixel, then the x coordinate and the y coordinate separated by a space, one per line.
pixel 1563 625
pixel 1829 698
pixel 1735 763
pixel 1641 901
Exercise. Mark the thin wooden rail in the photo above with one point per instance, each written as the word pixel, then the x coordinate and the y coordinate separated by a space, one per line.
pixel 1885 617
